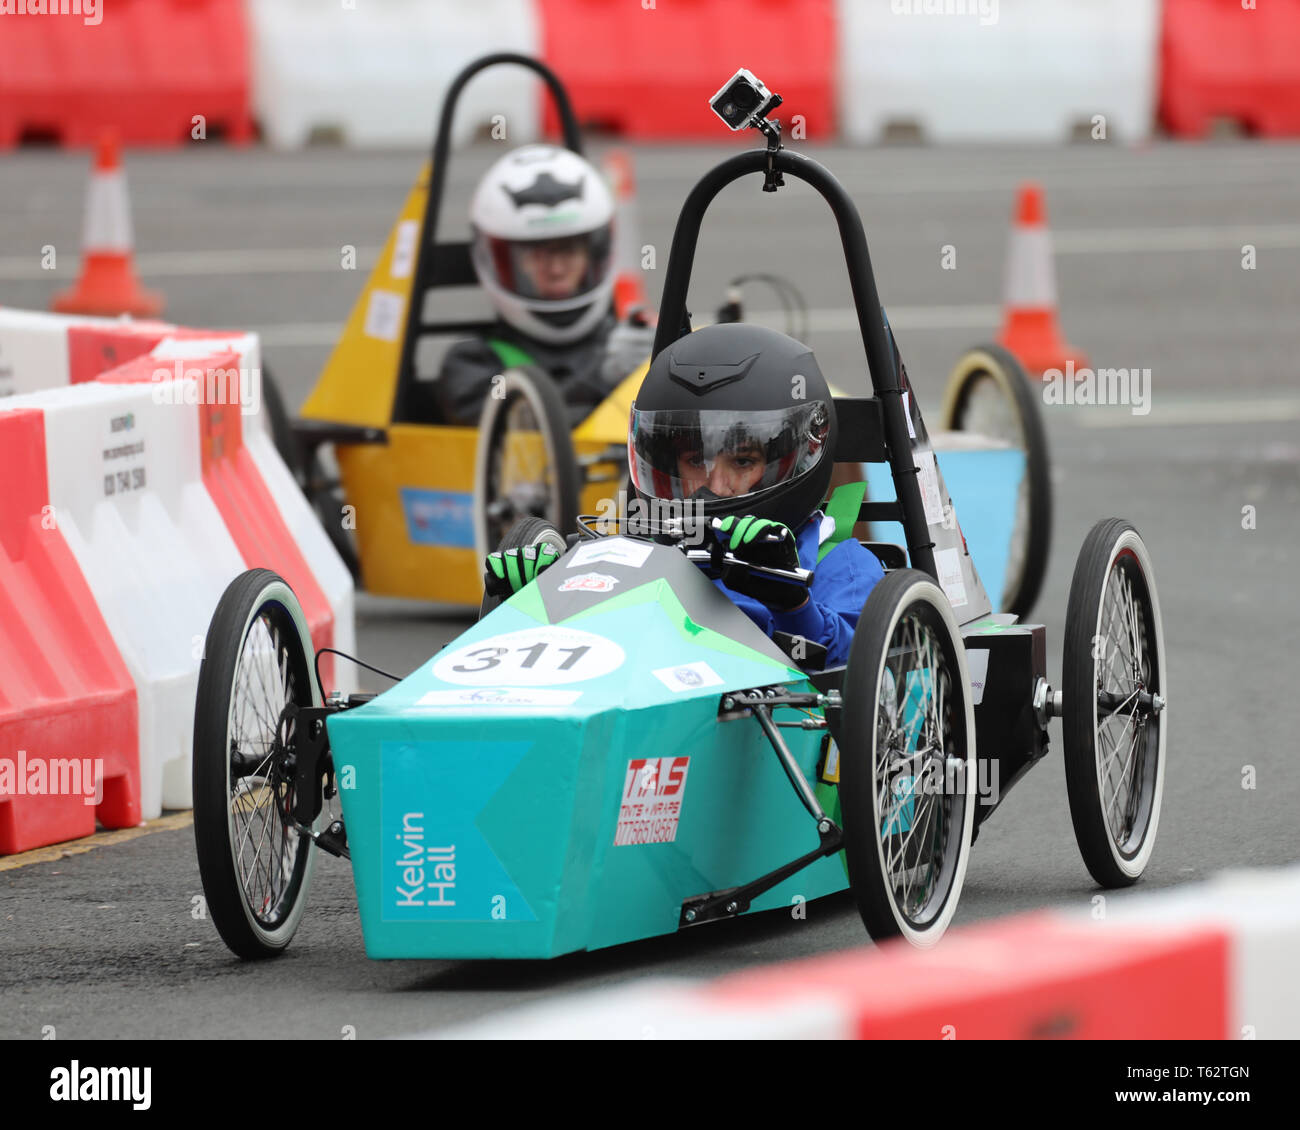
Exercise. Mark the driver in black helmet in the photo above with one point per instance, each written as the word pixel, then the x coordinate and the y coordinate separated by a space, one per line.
pixel 739 419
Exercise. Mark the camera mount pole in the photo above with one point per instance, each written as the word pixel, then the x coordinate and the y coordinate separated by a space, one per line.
pixel 771 129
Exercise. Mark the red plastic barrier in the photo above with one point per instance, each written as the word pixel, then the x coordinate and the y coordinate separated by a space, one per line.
pixel 649 72
pixel 95 349
pixel 241 496
pixel 145 69
pixel 69 720
pixel 1219 59
pixel 1029 977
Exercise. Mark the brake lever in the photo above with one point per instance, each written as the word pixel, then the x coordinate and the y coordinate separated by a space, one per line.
pixel 730 560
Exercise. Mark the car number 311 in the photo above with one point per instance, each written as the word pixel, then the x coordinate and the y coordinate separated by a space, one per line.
pixel 535 657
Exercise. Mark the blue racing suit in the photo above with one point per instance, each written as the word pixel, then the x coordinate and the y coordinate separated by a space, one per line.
pixel 843 579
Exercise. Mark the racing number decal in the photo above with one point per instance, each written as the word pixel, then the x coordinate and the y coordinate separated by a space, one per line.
pixel 491 657
pixel 533 657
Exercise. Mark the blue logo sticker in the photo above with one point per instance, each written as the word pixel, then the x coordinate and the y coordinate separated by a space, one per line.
pixel 439 517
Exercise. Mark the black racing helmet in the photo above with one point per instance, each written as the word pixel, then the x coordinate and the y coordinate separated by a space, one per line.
pixel 738 418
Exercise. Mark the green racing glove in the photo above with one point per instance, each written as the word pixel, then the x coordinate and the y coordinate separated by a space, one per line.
pixel 761 541
pixel 509 570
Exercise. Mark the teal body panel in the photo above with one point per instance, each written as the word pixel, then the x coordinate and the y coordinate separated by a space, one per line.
pixel 483 819
pixel 984 486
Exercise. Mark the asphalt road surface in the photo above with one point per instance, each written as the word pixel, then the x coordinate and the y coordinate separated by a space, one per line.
pixel 1150 250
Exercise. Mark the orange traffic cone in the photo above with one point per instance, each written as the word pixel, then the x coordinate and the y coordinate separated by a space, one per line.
pixel 629 286
pixel 1030 329
pixel 108 284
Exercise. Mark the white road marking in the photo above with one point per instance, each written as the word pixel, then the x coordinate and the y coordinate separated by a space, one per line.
pixel 1188 413
pixel 319 260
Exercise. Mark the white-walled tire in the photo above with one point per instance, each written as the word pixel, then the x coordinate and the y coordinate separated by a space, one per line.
pixel 907 764
pixel 255 866
pixel 1113 693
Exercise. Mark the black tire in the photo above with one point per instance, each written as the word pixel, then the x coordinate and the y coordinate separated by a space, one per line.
pixel 527 531
pixel 1114 660
pixel 281 427
pixel 258 631
pixel 326 497
pixel 905 611
pixel 529 402
pixel 988 392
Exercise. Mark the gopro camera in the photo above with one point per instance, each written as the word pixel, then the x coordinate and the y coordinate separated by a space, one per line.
pixel 743 101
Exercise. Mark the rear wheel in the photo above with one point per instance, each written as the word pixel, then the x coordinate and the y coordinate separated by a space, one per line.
pixel 1113 704
pixel 989 394
pixel 255 864
pixel 525 466
pixel 907 764
pixel 527 531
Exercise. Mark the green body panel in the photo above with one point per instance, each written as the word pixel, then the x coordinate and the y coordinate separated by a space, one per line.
pixel 482 818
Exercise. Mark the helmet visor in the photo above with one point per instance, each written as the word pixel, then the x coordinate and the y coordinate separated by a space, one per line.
pixel 714 453
pixel 549 270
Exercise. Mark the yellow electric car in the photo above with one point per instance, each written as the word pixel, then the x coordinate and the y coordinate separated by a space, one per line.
pixel 416 504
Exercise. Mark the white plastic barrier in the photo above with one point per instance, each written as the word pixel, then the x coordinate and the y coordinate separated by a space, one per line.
pixel 377 72
pixel 327 566
pixel 997 70
pixel 127 490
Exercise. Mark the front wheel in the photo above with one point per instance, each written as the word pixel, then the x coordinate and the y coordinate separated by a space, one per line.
pixel 1113 704
pixel 524 465
pixel 907 764
pixel 256 673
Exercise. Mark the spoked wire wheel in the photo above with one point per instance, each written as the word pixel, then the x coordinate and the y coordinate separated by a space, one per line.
pixel 525 465
pixel 255 863
pixel 1113 704
pixel 907 766
pixel 989 395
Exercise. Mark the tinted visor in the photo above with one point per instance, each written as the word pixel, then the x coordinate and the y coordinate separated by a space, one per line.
pixel 550 270
pixel 715 453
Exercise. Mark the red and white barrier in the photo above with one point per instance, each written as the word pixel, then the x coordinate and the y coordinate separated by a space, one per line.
pixel 328 571
pixel 1211 961
pixel 126 487
pixel 39 351
pixel 69 726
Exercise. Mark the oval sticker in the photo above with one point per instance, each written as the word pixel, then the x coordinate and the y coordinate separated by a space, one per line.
pixel 534 657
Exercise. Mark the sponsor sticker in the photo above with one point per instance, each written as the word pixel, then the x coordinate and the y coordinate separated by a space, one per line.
pixel 615 551
pixel 384 315
pixel 438 517
pixel 907 411
pixel 499 696
pixel 533 657
pixel 653 789
pixel 928 479
pixel 590 582
pixel 688 676
pixel 948 562
pixel 831 766
pixel 977 660
pixel 408 232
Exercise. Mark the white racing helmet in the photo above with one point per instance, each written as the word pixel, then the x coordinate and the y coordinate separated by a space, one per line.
pixel 541 204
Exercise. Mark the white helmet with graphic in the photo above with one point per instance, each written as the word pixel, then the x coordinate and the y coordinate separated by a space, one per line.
pixel 542 219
